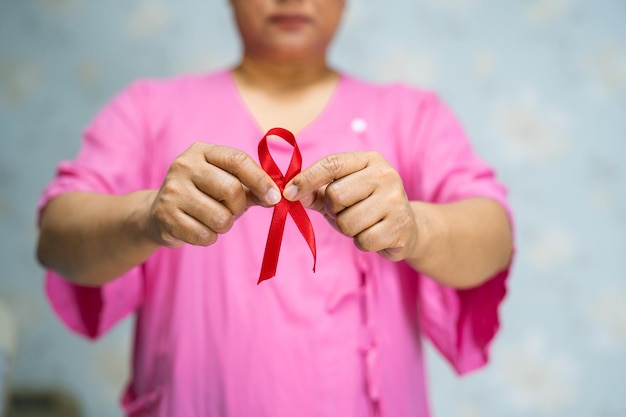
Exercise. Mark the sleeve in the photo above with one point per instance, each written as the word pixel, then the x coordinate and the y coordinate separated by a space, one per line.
pixel 460 323
pixel 110 161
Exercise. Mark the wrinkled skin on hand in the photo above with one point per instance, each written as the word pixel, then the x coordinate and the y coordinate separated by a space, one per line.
pixel 205 190
pixel 363 197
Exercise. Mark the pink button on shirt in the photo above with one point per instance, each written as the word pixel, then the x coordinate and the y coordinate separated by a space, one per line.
pixel 345 341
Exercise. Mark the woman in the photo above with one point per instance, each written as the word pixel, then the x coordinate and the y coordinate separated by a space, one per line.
pixel 414 237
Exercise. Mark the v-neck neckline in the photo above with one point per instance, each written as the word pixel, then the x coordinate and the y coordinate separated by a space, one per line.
pixel 322 117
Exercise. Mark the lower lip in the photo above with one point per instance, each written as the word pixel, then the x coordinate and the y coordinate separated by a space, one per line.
pixel 289 23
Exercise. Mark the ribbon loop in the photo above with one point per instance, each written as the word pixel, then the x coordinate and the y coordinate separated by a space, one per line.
pixel 294 208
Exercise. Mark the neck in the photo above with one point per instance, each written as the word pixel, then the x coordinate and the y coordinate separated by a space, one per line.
pixel 278 76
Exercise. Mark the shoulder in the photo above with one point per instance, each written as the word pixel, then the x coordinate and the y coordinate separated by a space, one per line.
pixel 158 99
pixel 396 106
pixel 392 95
pixel 188 85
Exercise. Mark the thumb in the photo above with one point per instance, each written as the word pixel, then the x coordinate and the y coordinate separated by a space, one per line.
pixel 253 200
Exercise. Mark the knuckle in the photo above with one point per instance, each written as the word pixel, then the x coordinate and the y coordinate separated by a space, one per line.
pixel 333 193
pixel 204 237
pixel 393 175
pixel 305 177
pixel 195 147
pixel 391 182
pixel 335 205
pixel 180 164
pixel 344 225
pixel 372 241
pixel 202 147
pixel 238 210
pixel 366 242
pixel 361 243
pixel 374 155
pixel 168 238
pixel 168 188
pixel 331 163
pixel 260 178
pixel 239 158
pixel 223 222
pixel 397 198
pixel 230 189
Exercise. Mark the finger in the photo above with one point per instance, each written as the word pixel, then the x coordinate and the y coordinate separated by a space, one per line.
pixel 391 238
pixel 253 200
pixel 327 169
pixel 189 230
pixel 242 166
pixel 348 191
pixel 223 187
pixel 210 212
pixel 375 238
pixel 361 216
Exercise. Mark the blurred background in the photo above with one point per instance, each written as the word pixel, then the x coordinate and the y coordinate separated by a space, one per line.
pixel 540 86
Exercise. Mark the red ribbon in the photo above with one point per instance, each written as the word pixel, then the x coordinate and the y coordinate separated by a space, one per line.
pixel 294 208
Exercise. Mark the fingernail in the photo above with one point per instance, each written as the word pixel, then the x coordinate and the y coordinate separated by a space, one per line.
pixel 290 192
pixel 273 196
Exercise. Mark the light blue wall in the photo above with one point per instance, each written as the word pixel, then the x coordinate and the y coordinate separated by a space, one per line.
pixel 540 86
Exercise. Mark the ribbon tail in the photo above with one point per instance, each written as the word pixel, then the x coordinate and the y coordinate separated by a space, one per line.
pixel 298 213
pixel 274 241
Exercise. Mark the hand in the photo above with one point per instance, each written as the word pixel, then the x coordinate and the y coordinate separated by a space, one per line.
pixel 363 197
pixel 205 190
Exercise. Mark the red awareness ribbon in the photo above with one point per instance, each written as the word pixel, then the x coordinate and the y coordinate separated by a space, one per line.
pixel 294 208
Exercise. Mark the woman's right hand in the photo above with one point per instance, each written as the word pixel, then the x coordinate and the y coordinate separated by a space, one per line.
pixel 205 190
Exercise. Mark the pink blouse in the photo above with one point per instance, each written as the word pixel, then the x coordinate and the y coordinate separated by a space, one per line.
pixel 344 341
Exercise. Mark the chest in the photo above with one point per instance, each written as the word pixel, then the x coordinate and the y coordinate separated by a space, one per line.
pixel 342 124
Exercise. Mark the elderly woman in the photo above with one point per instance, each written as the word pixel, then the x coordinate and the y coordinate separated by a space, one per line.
pixel 165 212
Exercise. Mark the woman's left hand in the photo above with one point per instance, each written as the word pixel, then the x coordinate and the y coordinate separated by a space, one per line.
pixel 363 197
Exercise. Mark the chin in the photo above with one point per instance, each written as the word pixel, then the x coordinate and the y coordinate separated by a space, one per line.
pixel 295 49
